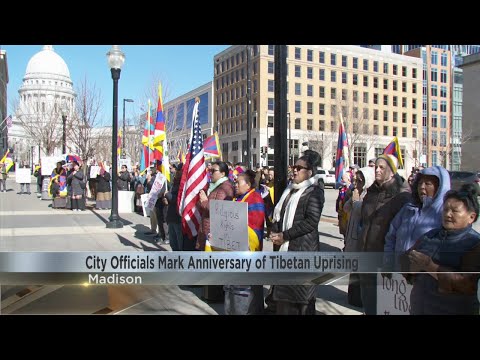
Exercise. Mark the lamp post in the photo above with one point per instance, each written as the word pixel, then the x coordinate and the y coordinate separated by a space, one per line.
pixel 249 110
pixel 289 140
pixel 123 140
pixel 116 58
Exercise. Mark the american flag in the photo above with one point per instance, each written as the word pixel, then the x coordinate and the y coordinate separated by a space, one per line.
pixel 9 121
pixel 194 179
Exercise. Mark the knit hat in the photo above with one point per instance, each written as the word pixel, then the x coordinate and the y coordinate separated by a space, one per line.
pixel 391 160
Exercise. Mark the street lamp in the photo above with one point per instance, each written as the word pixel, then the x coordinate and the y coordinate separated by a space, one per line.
pixel 249 109
pixel 123 140
pixel 116 58
pixel 64 134
pixel 289 139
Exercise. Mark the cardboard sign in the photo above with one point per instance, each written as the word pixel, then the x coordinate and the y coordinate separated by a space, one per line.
pixel 229 225
pixel 49 163
pixel 393 295
pixel 23 176
pixel 144 200
pixel 94 171
pixel 155 191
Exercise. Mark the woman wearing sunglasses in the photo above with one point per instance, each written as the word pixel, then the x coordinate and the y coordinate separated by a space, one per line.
pixel 295 228
pixel 248 299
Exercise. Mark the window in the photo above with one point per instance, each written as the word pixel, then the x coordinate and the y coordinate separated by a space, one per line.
pixel 434 105
pixel 321 91
pixel 321 109
pixel 443 106
pixel 444 59
pixel 434 140
pixel 395 116
pixel 375 83
pixel 404 86
pixel 271 104
pixel 378 151
pixel 355 128
pixel 333 126
pixel 234 145
pixel 297 123
pixel 298 107
pixel 365 114
pixel 333 76
pixel 375 99
pixel 404 118
pixel 443 138
pixel 355 113
pixel 365 97
pixel 385 84
pixel 434 121
pixel 404 71
pixel 298 89
pixel 434 158
pixel 333 93
pixel 365 80
pixel 365 64
pixel 433 75
pixel 355 95
pixel 298 72
pixel 360 156
pixel 321 57
pixel 271 86
pixel 355 63
pixel 333 59
pixel 385 130
pixel 375 129
pixel 309 124
pixel 375 114
pixel 404 102
pixel 385 115
pixel 395 68
pixel 333 110
pixel 321 74
pixel 344 78
pixel 385 68
pixel 321 125
pixel 443 121
pixel 344 60
pixel 395 101
pixel 344 94
pixel 414 132
pixel 310 108
pixel 309 90
pixel 443 91
pixel 385 100
pixel 298 53
pixel 271 50
pixel 414 103
pixel 443 76
pixel 270 68
pixel 309 72
pixel 434 58
pixel 375 66
pixel 355 79
pixel 414 88
pixel 395 85
pixel 309 55
pixel 414 73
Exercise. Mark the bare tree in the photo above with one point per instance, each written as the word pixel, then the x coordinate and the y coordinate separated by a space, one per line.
pixel 323 143
pixel 446 154
pixel 41 120
pixel 85 119
pixel 357 119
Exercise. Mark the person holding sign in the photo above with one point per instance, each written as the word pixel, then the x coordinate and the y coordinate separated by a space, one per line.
pixel 244 299
pixel 295 228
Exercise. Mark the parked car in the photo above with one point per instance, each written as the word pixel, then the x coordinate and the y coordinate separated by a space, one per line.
pixel 458 178
pixel 327 176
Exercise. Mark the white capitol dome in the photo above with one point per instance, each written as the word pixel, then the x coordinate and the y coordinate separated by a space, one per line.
pixel 47 62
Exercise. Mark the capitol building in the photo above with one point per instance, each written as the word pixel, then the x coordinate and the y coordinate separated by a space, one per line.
pixel 46 100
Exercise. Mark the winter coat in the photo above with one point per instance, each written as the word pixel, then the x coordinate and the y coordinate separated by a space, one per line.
pixel 123 180
pixel 103 183
pixel 302 236
pixel 416 219
pixel 74 181
pixel 223 192
pixel 453 293
pixel 379 207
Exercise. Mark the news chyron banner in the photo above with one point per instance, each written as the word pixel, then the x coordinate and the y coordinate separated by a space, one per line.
pixel 181 268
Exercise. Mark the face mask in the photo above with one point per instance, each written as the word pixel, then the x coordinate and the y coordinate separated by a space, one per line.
pixel 427 201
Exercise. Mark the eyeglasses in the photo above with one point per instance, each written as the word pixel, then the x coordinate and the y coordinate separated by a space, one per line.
pixel 299 167
pixel 213 170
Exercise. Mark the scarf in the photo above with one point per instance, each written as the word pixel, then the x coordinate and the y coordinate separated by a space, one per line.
pixel 213 186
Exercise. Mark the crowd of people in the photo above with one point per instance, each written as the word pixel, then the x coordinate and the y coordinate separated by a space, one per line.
pixel 422 227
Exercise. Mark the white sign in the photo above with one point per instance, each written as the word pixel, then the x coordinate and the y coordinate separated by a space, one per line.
pixel 144 200
pixel 155 191
pixel 393 295
pixel 49 163
pixel 94 171
pixel 23 176
pixel 229 225
pixel 127 162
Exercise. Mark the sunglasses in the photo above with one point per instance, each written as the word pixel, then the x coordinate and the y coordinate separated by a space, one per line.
pixel 213 170
pixel 299 167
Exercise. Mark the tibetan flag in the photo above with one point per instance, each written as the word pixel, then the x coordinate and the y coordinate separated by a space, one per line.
pixel 7 160
pixel 211 146
pixel 341 162
pixel 159 135
pixel 119 143
pixel 394 149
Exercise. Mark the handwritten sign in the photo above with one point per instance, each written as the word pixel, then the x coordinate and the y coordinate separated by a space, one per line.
pixel 23 176
pixel 155 191
pixel 229 225
pixel 393 295
pixel 144 201
pixel 94 171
